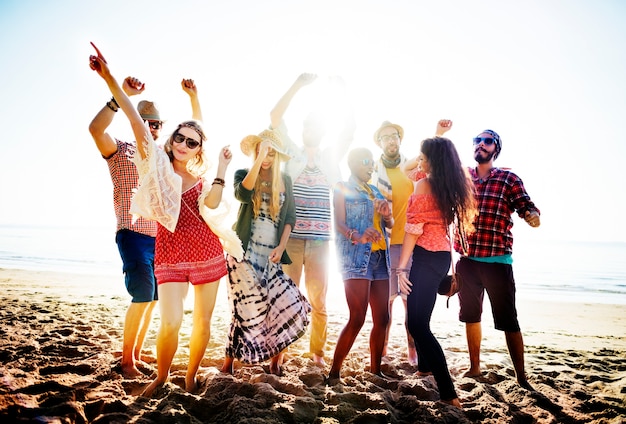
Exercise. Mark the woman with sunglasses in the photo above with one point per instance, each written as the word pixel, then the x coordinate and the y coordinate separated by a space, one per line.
pixel 441 198
pixel 361 215
pixel 173 192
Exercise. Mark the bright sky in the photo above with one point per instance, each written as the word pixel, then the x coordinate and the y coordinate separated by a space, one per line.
pixel 548 76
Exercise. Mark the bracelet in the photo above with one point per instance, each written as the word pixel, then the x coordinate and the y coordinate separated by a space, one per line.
pixel 219 181
pixel 402 271
pixel 349 235
pixel 113 101
pixel 110 105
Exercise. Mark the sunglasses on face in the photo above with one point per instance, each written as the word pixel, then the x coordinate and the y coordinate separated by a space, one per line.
pixel 155 125
pixel 191 143
pixel 488 141
pixel 366 162
pixel 389 138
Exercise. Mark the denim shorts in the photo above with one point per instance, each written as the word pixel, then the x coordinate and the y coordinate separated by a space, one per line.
pixel 137 252
pixel 376 268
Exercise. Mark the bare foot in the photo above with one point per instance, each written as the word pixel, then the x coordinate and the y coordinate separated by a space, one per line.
pixel 525 385
pixel 150 389
pixel 332 379
pixel 227 368
pixel 276 369
pixel 454 402
pixel 131 371
pixel 319 360
pixel 412 356
pixel 281 358
pixel 192 385
pixel 473 373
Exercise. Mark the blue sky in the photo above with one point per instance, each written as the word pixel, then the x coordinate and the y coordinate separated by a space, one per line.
pixel 547 75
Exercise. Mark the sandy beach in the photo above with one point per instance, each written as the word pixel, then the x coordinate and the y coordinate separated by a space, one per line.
pixel 61 343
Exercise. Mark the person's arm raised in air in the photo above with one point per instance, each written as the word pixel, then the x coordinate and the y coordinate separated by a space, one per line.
pixel 347 133
pixel 99 64
pixel 277 113
pixel 189 87
pixel 97 128
pixel 214 198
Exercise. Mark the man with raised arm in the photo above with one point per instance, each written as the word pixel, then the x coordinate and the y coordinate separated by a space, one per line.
pixel 135 241
pixel 314 172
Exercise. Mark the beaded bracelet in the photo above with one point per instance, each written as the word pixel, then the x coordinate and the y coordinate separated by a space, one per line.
pixel 110 105
pixel 219 181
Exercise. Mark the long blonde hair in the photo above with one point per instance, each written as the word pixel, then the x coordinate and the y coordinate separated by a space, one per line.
pixel 274 194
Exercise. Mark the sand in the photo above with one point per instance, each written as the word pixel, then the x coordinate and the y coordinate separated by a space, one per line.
pixel 61 345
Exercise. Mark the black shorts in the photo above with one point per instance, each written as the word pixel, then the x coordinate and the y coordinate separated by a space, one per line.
pixel 495 278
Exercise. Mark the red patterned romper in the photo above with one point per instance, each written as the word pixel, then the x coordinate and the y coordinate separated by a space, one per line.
pixel 192 253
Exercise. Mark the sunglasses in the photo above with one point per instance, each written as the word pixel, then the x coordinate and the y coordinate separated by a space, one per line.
pixel 487 140
pixel 389 138
pixel 366 162
pixel 191 143
pixel 155 125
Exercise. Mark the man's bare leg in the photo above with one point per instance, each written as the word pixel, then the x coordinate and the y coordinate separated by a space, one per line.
pixel 474 334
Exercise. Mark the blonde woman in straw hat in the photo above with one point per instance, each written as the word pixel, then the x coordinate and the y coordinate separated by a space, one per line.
pixel 268 311
pixel 189 237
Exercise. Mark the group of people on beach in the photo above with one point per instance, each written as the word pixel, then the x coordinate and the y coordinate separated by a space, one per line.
pixel 396 222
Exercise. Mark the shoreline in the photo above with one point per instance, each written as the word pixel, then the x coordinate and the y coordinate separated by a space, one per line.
pixel 62 342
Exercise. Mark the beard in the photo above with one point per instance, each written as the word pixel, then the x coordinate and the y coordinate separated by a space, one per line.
pixel 392 154
pixel 480 159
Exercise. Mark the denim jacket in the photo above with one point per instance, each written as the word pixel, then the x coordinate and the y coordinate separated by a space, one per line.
pixel 359 216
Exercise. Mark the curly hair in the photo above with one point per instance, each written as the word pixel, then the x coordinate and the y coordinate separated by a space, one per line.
pixel 450 182
pixel 199 164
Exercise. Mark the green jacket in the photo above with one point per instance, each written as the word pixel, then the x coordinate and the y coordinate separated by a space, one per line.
pixel 243 226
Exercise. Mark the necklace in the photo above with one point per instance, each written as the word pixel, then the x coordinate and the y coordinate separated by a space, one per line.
pixel 266 184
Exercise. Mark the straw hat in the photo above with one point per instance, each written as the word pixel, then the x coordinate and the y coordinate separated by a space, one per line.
pixel 148 111
pixel 249 143
pixel 384 125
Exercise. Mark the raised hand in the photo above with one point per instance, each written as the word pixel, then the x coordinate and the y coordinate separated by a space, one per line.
pixel 264 148
pixel 132 86
pixel 98 63
pixel 305 79
pixel 189 86
pixel 443 126
pixel 225 156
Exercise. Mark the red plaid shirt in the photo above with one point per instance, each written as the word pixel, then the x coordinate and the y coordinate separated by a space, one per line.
pixel 500 195
pixel 125 179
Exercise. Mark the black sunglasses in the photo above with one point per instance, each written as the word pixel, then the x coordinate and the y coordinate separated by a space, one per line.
pixel 191 143
pixel 155 125
pixel 487 140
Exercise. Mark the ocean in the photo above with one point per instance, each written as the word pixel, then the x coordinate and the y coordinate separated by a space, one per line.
pixel 592 272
